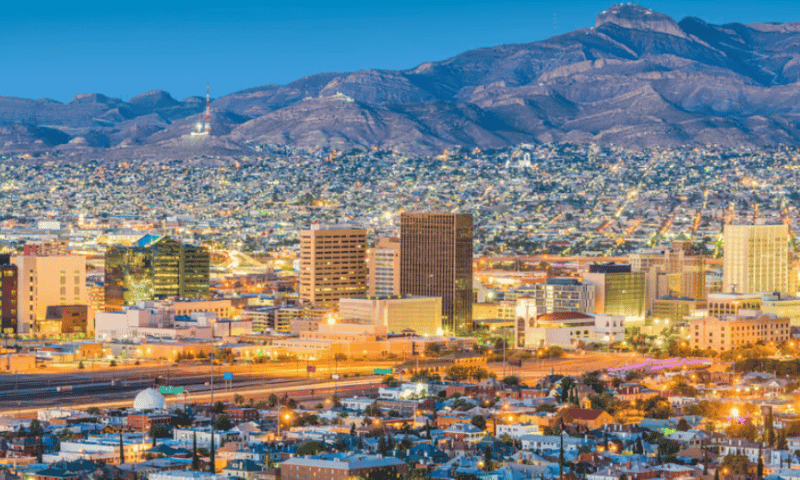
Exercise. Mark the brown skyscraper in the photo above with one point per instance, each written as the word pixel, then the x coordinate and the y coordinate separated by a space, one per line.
pixel 332 264
pixel 436 261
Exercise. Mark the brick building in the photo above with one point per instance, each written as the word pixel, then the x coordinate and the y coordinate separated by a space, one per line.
pixel 341 467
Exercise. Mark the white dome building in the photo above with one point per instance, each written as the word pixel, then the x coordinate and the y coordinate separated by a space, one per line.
pixel 149 399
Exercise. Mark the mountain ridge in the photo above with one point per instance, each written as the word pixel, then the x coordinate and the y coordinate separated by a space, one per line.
pixel 637 78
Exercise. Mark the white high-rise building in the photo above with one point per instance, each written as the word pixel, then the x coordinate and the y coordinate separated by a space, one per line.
pixel 384 268
pixel 756 259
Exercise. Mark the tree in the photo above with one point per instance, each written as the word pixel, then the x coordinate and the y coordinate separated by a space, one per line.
pixel 383 446
pixel 80 365
pixel 760 465
pixel 180 418
pixel 511 380
pixel 212 455
pixel 195 458
pixel 223 423
pixel 487 458
pixel 566 387
pixel 391 382
pixel 780 442
pixel 592 379
pixel 112 363
pixel 272 400
pixel 479 421
pixel 736 464
pixel 158 431
pixel 218 407
pixel 238 399
pixel 748 431
pixel 638 447
pixel 623 477
pixel 36 429
pixel 292 403
pixel 121 449
pixel 312 447
pixel 769 431
pixel 547 408
pixel 683 425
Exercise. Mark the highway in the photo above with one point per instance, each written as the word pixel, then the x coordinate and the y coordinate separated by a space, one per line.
pixel 24 394
pixel 300 390
pixel 78 387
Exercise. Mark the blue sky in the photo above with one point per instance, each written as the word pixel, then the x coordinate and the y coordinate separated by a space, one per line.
pixel 120 48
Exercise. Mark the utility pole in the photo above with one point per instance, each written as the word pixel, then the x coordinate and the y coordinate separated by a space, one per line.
pixel 213 462
pixel 504 356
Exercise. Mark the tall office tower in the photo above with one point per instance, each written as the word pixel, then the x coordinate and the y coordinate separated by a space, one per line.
pixel 756 259
pixel 564 295
pixel 8 295
pixel 45 281
pixel 436 261
pixel 332 264
pixel 384 268
pixel 155 268
pixel 618 291
pixel 673 272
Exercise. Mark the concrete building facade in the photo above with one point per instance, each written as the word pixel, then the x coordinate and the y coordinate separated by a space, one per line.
pixel 332 264
pixel 384 268
pixel 756 259
pixel 731 331
pixel 423 315
pixel 45 281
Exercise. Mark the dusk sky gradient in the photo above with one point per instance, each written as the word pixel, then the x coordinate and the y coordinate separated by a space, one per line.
pixel 121 49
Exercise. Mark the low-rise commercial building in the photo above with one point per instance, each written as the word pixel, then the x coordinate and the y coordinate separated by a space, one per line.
pixel 423 315
pixel 341 466
pixel 731 331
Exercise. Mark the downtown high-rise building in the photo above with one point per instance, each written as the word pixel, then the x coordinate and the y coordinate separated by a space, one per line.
pixel 617 290
pixel 332 264
pixel 8 295
pixel 563 295
pixel 155 268
pixel 436 261
pixel 44 281
pixel 756 259
pixel 384 268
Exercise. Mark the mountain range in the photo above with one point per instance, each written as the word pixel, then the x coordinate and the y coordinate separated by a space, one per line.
pixel 637 78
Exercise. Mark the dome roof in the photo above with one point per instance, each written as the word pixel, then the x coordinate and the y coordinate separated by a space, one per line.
pixel 149 399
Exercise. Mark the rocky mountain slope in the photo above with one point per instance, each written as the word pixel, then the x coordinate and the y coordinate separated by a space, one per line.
pixel 637 78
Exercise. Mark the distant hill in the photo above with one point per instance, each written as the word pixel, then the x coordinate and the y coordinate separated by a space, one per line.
pixel 637 78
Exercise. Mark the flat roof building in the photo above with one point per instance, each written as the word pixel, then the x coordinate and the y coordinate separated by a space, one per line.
pixel 732 331
pixel 423 315
pixel 436 261
pixel 756 259
pixel 384 268
pixel 332 264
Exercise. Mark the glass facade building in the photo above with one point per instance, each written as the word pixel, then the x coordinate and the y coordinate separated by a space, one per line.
pixel 155 268
pixel 436 261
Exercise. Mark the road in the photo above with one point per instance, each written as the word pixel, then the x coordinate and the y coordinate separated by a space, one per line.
pixel 302 390
pixel 573 364
pixel 25 394
pixel 74 388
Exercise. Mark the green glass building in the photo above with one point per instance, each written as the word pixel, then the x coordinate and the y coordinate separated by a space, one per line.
pixel 155 268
